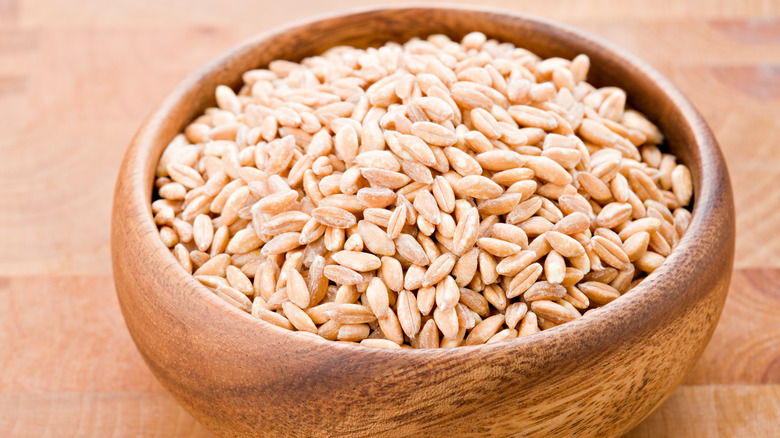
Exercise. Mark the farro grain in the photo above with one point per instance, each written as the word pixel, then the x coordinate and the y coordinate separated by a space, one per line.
pixel 311 231
pixel 552 311
pixel 503 335
pixel 515 313
pixel 496 296
pixel 297 290
pixel 498 247
pixel 434 134
pixel 595 187
pixel 447 293
pixel 409 314
pixel 216 265
pixel 475 302
pixel 185 175
pixel 342 275
pixel 183 230
pixel 510 233
pixel 334 238
pixel 501 205
pixel 598 292
pixel 278 245
pixel 350 314
pixel 391 327
pixel 566 158
pixel 540 247
pixel 622 282
pixel 353 332
pixel 239 280
pixel 466 267
pixel 682 184
pixel 439 269
pixel 524 210
pixel 610 252
pixel 414 277
pixel 357 261
pixel 376 197
pixel 442 192
pixel 334 217
pixel 426 298
pixel 544 290
pixel 463 163
pixel 343 201
pixel 485 329
pixel 298 318
pixel 466 232
pixel 274 318
pixel 277 202
pixel 447 226
pixel 181 254
pixel 446 321
pixel 198 205
pixel 513 265
pixel 565 245
pixel 226 291
pixel 426 206
pixel 647 224
pixel 380 343
pixel 548 170
pixel 529 325
pixel 287 222
pixel 411 250
pixel 649 261
pixel 329 330
pixel 554 267
pixel 429 335
pixel 211 281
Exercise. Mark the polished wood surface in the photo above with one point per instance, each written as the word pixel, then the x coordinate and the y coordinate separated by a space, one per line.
pixel 77 78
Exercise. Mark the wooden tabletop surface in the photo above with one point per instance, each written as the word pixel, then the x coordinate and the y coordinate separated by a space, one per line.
pixel 77 78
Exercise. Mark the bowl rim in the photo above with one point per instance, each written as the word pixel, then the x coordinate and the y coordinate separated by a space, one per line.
pixel 711 175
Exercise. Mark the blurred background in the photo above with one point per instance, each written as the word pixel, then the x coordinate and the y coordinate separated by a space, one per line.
pixel 77 77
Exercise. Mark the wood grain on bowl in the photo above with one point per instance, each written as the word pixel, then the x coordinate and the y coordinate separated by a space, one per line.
pixel 597 376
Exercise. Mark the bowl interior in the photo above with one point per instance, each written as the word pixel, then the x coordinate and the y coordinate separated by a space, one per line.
pixel 687 136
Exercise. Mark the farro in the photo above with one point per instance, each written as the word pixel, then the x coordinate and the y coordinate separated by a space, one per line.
pixel 428 194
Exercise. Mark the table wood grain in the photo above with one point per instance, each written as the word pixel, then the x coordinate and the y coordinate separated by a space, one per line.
pixel 77 77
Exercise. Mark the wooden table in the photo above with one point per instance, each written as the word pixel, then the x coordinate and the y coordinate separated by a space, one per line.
pixel 77 78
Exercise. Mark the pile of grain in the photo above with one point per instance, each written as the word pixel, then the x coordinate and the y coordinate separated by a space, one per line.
pixel 430 194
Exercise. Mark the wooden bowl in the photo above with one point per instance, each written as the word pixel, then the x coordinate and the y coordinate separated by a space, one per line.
pixel 597 376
